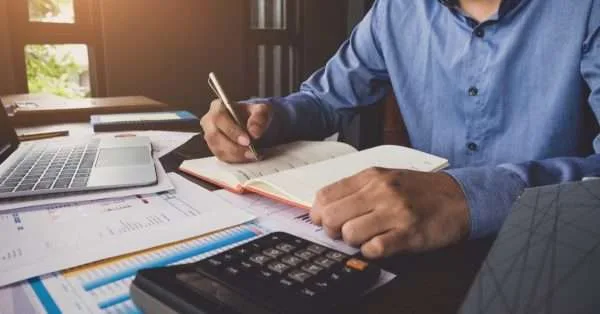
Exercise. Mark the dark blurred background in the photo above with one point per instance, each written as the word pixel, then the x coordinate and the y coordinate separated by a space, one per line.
pixel 165 49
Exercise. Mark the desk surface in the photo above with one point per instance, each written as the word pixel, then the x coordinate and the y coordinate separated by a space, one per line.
pixel 433 282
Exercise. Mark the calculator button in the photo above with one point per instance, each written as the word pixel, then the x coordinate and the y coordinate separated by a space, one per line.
pixel 286 283
pixel 275 237
pixel 214 262
pixel 242 251
pixel 308 292
pixel 298 242
pixel 357 264
pixel 232 271
pixel 299 275
pixel 228 257
pixel 305 254
pixel 316 249
pixel 312 268
pixel 324 262
pixel 259 259
pixel 292 260
pixel 272 253
pixel 286 247
pixel 335 277
pixel 246 265
pixel 337 256
pixel 321 284
pixel 265 274
pixel 254 246
pixel 278 267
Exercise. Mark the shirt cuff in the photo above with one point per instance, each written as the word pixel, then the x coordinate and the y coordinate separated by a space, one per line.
pixel 490 193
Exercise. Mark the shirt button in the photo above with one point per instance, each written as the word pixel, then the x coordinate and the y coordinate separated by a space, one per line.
pixel 473 91
pixel 479 33
pixel 472 146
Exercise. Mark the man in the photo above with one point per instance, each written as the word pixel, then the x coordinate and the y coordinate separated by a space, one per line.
pixel 507 90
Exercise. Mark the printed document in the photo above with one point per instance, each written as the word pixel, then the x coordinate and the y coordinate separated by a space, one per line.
pixel 43 240
pixel 281 217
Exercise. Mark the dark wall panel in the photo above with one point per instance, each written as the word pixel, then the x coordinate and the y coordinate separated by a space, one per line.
pixel 7 85
pixel 165 49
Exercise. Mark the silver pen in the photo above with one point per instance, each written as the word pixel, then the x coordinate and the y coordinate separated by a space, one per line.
pixel 218 90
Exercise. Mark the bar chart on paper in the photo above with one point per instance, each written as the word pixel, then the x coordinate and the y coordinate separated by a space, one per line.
pixel 49 239
pixel 278 216
pixel 103 287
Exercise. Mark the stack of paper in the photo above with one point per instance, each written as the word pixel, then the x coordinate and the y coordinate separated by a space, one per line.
pixel 80 253
pixel 103 287
pixel 41 241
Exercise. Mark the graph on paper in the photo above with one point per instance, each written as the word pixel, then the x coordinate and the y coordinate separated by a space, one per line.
pixel 282 217
pixel 46 240
pixel 103 287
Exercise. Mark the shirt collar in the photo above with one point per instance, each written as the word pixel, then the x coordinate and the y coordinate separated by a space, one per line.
pixel 505 6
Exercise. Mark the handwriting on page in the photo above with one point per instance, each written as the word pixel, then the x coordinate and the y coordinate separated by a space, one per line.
pixel 289 156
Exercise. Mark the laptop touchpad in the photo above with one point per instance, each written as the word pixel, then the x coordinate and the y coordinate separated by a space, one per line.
pixel 123 156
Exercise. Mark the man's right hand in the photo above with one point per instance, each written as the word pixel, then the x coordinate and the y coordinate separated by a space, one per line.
pixel 225 138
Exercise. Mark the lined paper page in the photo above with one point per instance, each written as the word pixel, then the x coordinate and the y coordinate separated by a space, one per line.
pixel 276 159
pixel 303 184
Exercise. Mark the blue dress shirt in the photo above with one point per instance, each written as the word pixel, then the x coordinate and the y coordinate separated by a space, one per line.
pixel 512 102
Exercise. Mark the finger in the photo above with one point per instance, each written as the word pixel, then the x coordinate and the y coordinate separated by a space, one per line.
pixel 232 130
pixel 335 215
pixel 258 120
pixel 223 148
pixel 344 187
pixel 329 195
pixel 359 230
pixel 386 244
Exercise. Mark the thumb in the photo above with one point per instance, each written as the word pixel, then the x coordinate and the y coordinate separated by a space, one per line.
pixel 258 119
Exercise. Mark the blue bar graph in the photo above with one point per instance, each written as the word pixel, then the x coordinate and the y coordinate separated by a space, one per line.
pixel 107 285
pixel 44 296
pixel 169 259
pixel 114 301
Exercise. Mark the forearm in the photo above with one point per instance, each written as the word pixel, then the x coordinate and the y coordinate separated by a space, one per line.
pixel 491 191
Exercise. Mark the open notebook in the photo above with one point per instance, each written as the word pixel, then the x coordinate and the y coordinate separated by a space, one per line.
pixel 295 172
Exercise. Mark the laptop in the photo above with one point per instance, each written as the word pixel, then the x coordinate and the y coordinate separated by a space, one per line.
pixel 546 258
pixel 59 166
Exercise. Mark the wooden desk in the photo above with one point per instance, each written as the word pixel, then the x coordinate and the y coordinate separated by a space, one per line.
pixel 433 282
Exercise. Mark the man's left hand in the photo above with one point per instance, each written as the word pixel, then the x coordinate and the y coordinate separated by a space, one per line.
pixel 387 211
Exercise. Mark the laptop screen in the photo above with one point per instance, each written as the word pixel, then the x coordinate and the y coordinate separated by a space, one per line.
pixel 8 137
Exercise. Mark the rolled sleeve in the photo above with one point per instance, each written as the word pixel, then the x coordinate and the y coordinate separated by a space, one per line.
pixel 490 193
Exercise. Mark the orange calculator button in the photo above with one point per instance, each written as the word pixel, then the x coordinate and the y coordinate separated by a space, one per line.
pixel 357 264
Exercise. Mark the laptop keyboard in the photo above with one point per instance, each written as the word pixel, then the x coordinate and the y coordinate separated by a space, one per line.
pixel 51 167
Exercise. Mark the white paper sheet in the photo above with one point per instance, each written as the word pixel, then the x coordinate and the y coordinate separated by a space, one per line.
pixel 70 291
pixel 282 217
pixel 36 242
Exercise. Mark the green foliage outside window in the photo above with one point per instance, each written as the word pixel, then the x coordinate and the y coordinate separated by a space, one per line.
pixel 39 9
pixel 48 70
pixel 50 73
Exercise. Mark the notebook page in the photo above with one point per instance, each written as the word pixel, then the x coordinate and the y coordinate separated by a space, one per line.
pixel 276 159
pixel 304 183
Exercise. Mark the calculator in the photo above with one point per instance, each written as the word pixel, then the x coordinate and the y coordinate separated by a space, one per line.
pixel 277 273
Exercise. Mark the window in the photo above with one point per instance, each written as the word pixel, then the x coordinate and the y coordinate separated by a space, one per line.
pixel 56 47
pixel 274 41
pixel 51 11
pixel 61 70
